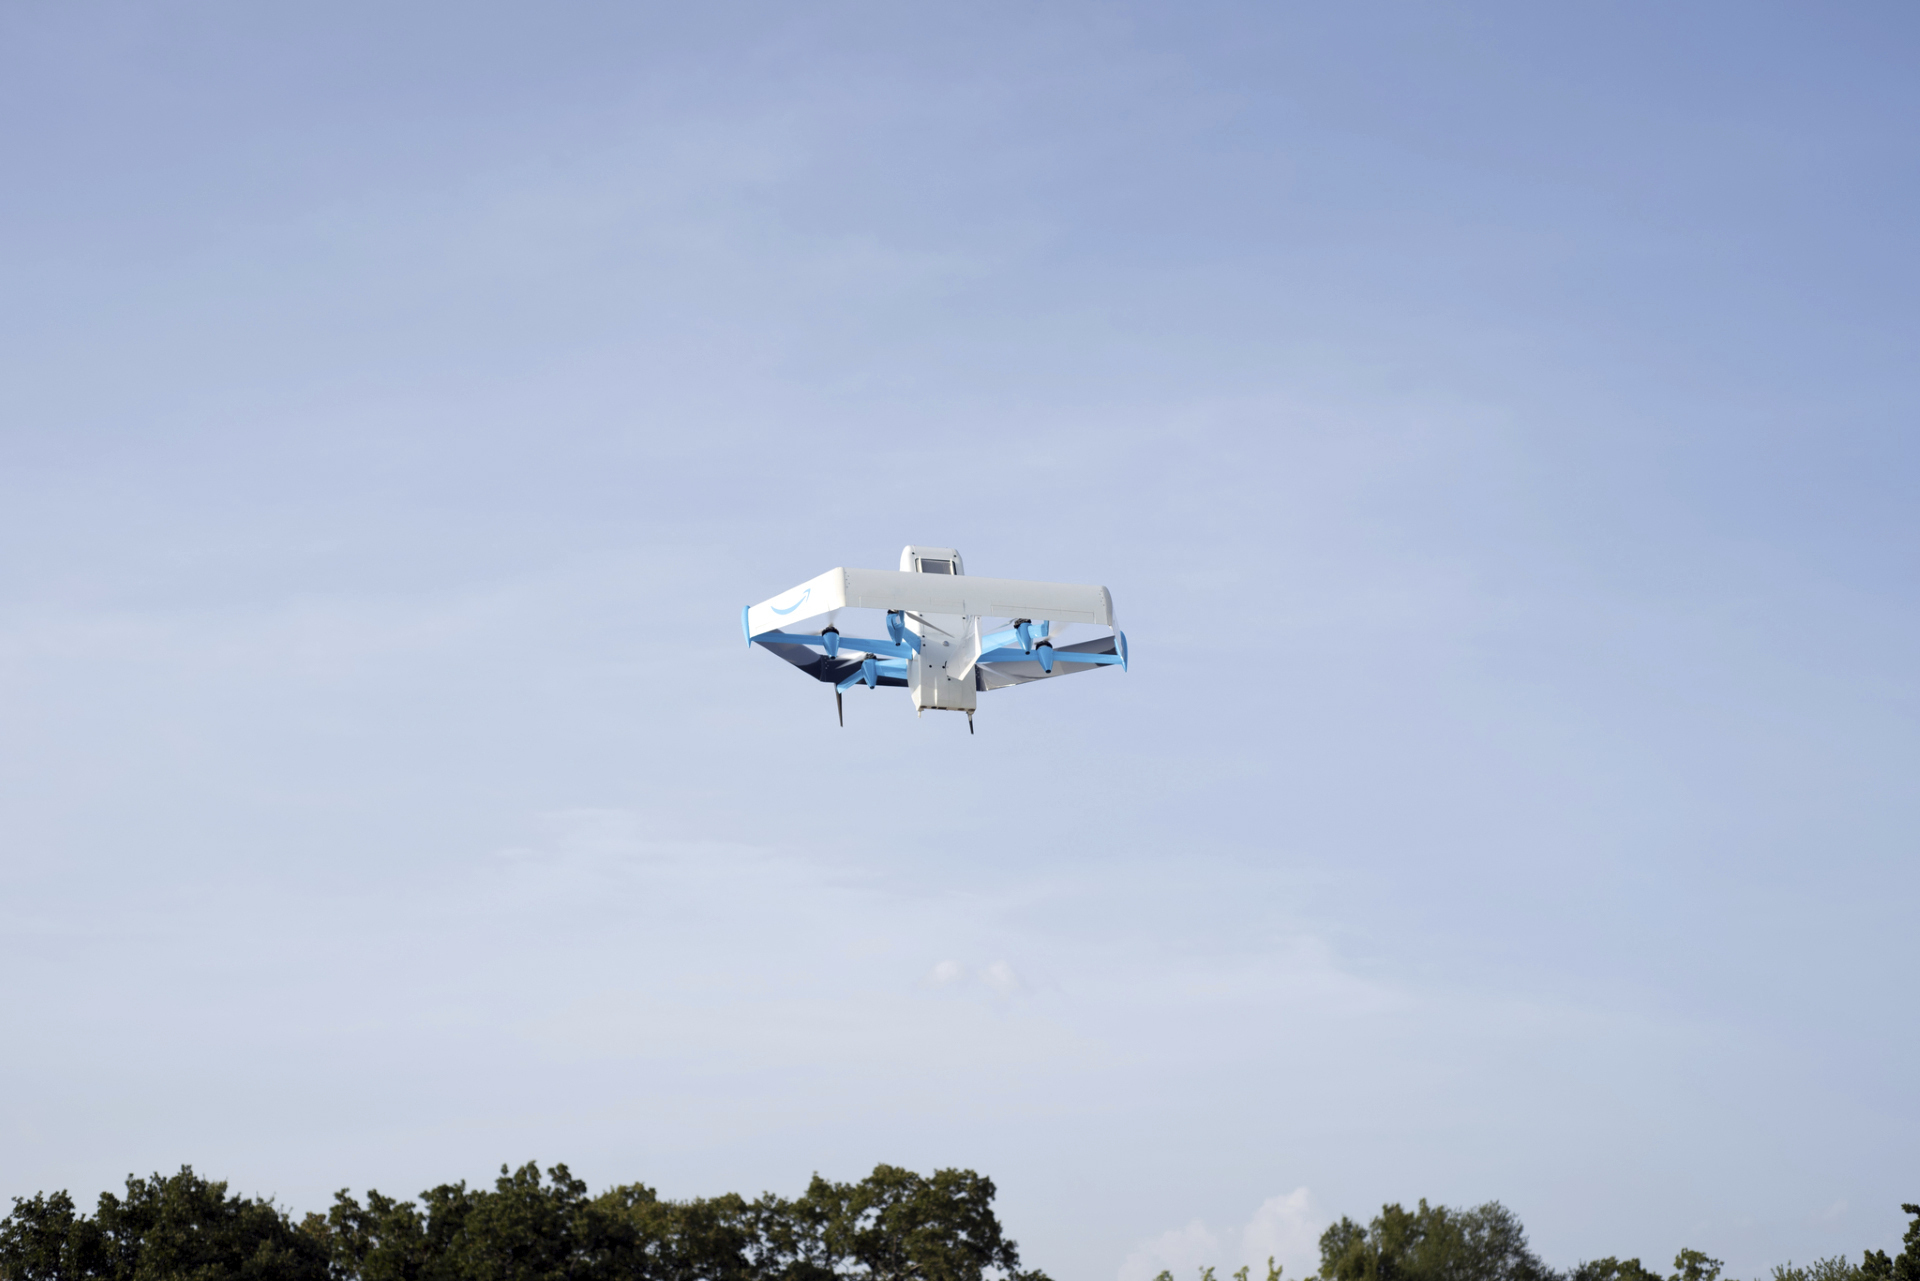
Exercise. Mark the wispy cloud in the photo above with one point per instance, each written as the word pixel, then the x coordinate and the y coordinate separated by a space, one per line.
pixel 1285 1228
pixel 1180 1251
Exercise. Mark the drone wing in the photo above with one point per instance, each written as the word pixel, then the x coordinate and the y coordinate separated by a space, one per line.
pixel 814 602
pixel 1011 665
pixel 802 626
pixel 837 671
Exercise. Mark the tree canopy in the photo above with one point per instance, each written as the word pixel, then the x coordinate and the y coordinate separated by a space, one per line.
pixel 1432 1243
pixel 1487 1243
pixel 893 1225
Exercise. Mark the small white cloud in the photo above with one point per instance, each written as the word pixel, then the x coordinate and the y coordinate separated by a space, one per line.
pixel 946 972
pixel 1286 1229
pixel 1002 978
pixel 1183 1252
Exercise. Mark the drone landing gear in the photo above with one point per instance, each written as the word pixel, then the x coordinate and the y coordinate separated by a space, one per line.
pixel 969 722
pixel 840 707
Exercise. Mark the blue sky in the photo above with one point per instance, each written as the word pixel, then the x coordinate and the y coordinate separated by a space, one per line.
pixel 1495 425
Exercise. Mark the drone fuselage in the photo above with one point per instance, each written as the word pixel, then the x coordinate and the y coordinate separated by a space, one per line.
pixel 931 615
pixel 943 641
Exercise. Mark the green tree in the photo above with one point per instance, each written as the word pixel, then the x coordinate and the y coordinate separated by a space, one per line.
pixel 384 1240
pixel 530 1229
pixel 166 1228
pixel 1907 1266
pixel 1432 1243
pixel 1834 1269
pixel 1612 1269
pixel 44 1239
pixel 705 1239
pixel 895 1225
pixel 1692 1265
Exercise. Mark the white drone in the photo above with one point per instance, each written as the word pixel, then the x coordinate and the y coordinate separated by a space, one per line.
pixel 948 636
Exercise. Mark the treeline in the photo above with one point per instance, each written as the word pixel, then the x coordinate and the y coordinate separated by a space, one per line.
pixel 1487 1243
pixel 893 1225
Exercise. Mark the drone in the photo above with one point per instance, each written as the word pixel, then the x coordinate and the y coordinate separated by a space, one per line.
pixel 948 636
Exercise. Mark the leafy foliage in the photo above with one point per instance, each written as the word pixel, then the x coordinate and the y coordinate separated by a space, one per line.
pixel 1907 1266
pixel 1834 1269
pixel 1692 1265
pixel 181 1228
pixel 894 1225
pixel 1612 1269
pixel 1432 1243
pixel 1487 1243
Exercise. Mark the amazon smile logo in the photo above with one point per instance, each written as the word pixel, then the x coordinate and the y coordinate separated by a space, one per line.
pixel 796 605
